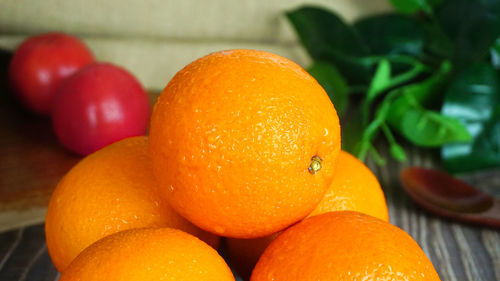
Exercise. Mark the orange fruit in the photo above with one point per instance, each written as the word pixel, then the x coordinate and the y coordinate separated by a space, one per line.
pixel 148 254
pixel 244 142
pixel 354 187
pixel 110 190
pixel 343 245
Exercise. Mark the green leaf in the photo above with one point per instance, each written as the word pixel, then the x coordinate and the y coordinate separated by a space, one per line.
pixel 412 6
pixel 398 153
pixel 495 54
pixel 473 98
pixel 424 127
pixel 488 142
pixel 409 6
pixel 430 129
pixel 383 81
pixel 485 150
pixel 334 84
pixel 425 93
pixel 327 37
pixel 472 26
pixel 380 81
pixel 434 3
pixel 392 34
pixel 321 30
pixel 437 43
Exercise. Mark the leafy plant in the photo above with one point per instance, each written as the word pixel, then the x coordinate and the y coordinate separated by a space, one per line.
pixel 474 99
pixel 428 71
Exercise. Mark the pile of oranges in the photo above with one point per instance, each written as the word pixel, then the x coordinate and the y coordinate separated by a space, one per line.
pixel 243 145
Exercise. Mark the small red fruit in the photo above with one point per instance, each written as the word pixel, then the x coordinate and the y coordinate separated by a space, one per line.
pixel 41 63
pixel 98 105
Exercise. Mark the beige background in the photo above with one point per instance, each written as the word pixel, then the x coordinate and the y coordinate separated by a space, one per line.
pixel 153 39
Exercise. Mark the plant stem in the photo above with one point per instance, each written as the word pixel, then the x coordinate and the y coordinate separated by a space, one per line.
pixel 376 156
pixel 388 134
pixel 395 81
pixel 367 137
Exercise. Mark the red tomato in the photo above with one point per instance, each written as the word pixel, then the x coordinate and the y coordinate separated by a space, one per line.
pixel 41 63
pixel 98 105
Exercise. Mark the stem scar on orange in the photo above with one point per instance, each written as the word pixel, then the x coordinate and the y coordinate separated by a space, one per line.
pixel 354 188
pixel 244 142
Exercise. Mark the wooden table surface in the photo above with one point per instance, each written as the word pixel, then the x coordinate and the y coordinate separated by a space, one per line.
pixel 458 251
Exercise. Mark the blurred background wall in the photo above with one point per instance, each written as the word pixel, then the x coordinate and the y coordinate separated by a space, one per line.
pixel 155 38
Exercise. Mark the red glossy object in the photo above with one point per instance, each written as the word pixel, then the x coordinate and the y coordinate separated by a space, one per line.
pixel 99 105
pixel 41 63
